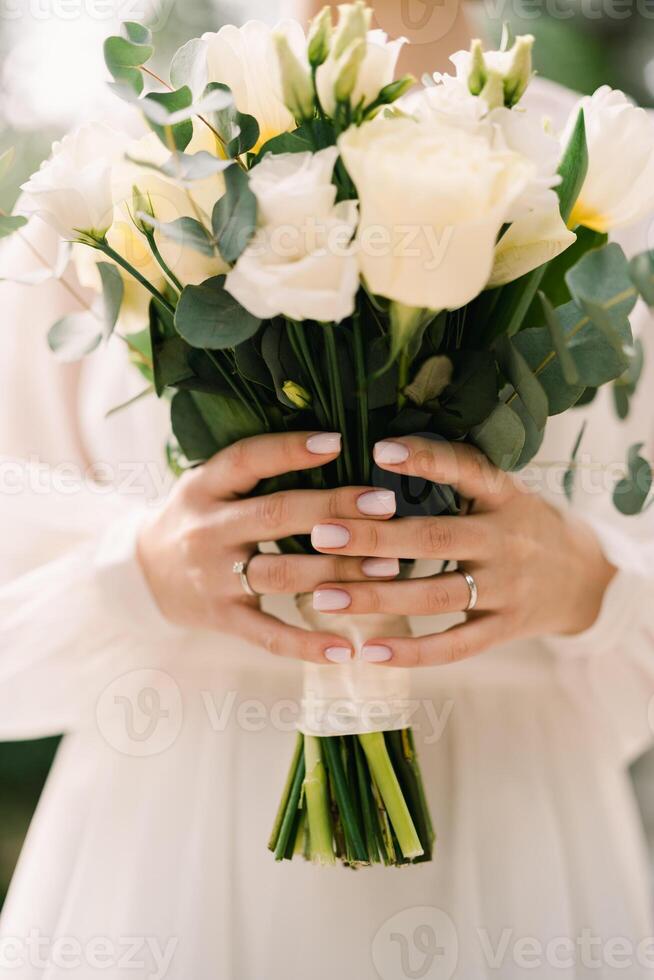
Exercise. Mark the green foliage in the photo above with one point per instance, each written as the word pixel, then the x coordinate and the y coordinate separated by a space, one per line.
pixel 238 131
pixel 234 217
pixel 124 54
pixel 632 492
pixel 187 232
pixel 207 316
pixel 501 437
pixel 573 168
pixel 625 386
pixel 569 477
pixel 601 286
pixel 165 113
pixel 642 275
pixel 204 424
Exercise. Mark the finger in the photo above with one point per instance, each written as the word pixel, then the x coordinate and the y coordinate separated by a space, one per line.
pixel 454 538
pixel 283 640
pixel 239 468
pixel 452 464
pixel 418 597
pixel 476 635
pixel 292 574
pixel 280 515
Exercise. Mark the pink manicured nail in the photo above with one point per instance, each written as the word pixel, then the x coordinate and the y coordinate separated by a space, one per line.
pixel 376 654
pixel 330 536
pixel 338 655
pixel 380 567
pixel 377 503
pixel 390 452
pixel 331 600
pixel 324 443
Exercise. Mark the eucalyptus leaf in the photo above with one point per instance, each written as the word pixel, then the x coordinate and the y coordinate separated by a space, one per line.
pixel 631 493
pixel 187 232
pixel 74 336
pixel 569 477
pixel 553 284
pixel 234 217
pixel 189 66
pixel 124 55
pixel 190 429
pixel 186 167
pixel 641 269
pixel 239 131
pixel 113 289
pixel 207 316
pixel 625 386
pixel 167 113
pixel 601 286
pixel 526 385
pixel 501 437
pixel 534 434
pixel 301 140
pixel 566 360
pixel 433 377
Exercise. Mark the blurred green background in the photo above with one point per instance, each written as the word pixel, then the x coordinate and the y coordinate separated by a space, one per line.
pixel 580 44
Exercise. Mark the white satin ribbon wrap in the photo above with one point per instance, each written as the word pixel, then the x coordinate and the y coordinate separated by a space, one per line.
pixel 355 698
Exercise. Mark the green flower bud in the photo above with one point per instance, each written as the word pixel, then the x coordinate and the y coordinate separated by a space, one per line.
pixel 141 205
pixel 493 90
pixel 296 394
pixel 348 71
pixel 353 25
pixel 297 87
pixel 391 93
pixel 477 75
pixel 320 37
pixel 521 70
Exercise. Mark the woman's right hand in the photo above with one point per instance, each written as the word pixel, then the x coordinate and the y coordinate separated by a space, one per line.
pixel 188 551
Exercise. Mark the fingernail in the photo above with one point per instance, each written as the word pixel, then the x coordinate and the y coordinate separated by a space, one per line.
pixel 376 654
pixel 330 536
pixel 330 600
pixel 380 567
pixel 390 452
pixel 377 503
pixel 324 443
pixel 338 655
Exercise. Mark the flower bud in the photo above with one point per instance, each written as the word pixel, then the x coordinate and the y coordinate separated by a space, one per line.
pixel 141 205
pixel 296 394
pixel 353 25
pixel 500 78
pixel 320 37
pixel 348 71
pixel 391 93
pixel 477 70
pixel 297 87
pixel 520 73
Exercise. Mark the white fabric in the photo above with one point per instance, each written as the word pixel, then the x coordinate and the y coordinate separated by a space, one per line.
pixel 154 820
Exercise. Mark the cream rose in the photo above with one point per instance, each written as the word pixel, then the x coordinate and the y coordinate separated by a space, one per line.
pixel 72 189
pixel 619 186
pixel 301 262
pixel 433 199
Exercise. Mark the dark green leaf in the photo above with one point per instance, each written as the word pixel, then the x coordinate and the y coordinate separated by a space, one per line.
pixel 631 493
pixel 553 284
pixel 234 218
pixel 501 437
pixel 601 285
pixel 625 386
pixel 251 364
pixel 570 474
pixel 573 168
pixel 526 385
pixel 239 131
pixel 163 122
pixel 207 316
pixel 470 397
pixel 190 429
pixel 431 380
pixel 301 140
pixel 124 54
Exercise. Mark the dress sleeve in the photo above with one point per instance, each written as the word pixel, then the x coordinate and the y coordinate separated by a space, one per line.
pixel 74 608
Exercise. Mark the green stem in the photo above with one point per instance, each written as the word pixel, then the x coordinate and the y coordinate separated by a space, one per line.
pixel 232 384
pixel 389 788
pixel 289 820
pixel 105 247
pixel 163 265
pixel 332 360
pixel 286 795
pixel 362 397
pixel 316 796
pixel 311 367
pixel 352 831
pixel 402 754
pixel 403 366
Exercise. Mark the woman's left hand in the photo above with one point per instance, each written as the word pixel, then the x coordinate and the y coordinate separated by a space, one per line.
pixel 537 572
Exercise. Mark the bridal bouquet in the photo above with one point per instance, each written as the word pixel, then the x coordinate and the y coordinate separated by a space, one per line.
pixel 302 241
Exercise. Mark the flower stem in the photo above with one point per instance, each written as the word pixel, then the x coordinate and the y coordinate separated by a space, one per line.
pixel 387 782
pixel 105 247
pixel 362 397
pixel 317 803
pixel 332 360
pixel 163 265
pixel 353 838
pixel 286 821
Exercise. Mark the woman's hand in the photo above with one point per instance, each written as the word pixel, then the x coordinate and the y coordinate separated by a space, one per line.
pixel 188 552
pixel 537 573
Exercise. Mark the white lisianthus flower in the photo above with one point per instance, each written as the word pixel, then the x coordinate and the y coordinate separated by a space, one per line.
pixel 169 201
pixel 245 58
pixel 301 262
pixel 376 69
pixel 531 241
pixel 433 200
pixel 72 189
pixel 619 186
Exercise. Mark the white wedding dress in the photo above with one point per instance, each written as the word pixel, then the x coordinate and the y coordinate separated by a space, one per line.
pixel 147 856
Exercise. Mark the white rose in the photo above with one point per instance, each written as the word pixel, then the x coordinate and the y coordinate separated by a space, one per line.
pixel 619 186
pixel 245 58
pixel 72 188
pixel 433 199
pixel 530 242
pixel 300 263
pixel 377 70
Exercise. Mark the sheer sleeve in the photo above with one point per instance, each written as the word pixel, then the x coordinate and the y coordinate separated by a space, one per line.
pixel 73 602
